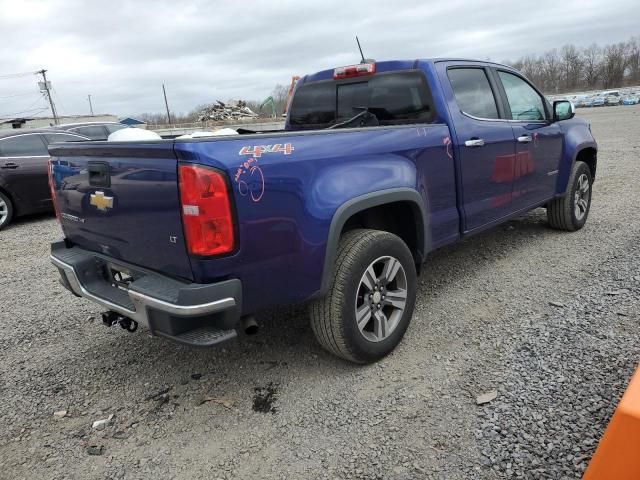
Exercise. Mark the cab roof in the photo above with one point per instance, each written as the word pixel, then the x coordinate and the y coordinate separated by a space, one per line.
pixel 12 132
pixel 394 65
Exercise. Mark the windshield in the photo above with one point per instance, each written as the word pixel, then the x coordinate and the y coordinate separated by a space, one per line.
pixel 395 98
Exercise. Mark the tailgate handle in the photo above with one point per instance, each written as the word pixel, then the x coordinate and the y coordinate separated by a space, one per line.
pixel 99 175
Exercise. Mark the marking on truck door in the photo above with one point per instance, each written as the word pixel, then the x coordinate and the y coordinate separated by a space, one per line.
pixel 446 141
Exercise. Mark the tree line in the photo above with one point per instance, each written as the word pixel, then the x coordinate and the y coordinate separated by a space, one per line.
pixel 571 68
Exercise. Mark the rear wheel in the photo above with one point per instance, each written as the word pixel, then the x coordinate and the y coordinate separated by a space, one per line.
pixel 6 210
pixel 570 212
pixel 369 306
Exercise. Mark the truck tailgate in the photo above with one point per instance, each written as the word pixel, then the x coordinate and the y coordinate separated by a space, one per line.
pixel 122 200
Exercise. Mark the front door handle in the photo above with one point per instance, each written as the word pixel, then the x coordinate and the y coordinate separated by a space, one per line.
pixel 524 138
pixel 10 165
pixel 474 142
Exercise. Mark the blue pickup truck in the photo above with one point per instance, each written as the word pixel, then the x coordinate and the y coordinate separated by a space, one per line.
pixel 378 165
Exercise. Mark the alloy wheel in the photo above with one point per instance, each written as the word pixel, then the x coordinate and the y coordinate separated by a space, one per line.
pixel 581 199
pixel 381 298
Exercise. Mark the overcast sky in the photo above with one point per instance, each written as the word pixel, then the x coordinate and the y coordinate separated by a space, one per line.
pixel 121 52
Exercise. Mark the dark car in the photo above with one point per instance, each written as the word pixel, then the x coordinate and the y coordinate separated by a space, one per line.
pixel 24 184
pixel 93 130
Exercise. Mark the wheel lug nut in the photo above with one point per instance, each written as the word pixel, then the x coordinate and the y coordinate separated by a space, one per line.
pixel 378 306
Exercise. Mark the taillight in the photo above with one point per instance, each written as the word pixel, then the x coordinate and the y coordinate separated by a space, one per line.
pixel 354 71
pixel 52 188
pixel 206 210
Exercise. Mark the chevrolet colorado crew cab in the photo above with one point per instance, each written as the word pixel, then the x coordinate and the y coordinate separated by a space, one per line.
pixel 379 164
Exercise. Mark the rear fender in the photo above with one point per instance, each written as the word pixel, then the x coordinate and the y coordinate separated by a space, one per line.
pixel 364 202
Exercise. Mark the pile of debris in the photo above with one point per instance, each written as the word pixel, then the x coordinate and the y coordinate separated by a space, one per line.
pixel 219 111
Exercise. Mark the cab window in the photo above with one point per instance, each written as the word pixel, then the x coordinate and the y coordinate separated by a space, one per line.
pixel 473 92
pixel 524 102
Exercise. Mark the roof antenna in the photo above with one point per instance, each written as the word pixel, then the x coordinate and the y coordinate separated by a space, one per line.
pixel 360 48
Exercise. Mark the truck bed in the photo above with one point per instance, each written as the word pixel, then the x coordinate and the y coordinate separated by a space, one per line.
pixel 286 188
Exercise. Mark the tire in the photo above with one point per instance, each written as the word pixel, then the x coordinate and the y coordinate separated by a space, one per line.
pixel 6 210
pixel 570 212
pixel 333 318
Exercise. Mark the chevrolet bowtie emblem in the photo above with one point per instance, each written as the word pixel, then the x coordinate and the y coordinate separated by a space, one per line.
pixel 101 202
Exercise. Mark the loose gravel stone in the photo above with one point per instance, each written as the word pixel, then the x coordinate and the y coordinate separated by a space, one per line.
pixel 483 321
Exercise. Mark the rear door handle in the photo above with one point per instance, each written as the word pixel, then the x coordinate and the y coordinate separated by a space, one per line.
pixel 524 138
pixel 10 165
pixel 474 142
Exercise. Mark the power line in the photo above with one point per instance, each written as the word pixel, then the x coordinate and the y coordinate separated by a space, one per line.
pixel 17 75
pixel 19 95
pixel 29 108
pixel 31 112
pixel 59 101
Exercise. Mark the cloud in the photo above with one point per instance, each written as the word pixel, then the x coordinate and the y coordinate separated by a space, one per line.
pixel 121 51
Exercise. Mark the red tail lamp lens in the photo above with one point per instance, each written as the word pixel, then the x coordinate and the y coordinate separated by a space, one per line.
pixel 206 211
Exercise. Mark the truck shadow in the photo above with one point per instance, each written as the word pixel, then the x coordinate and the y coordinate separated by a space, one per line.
pixel 285 339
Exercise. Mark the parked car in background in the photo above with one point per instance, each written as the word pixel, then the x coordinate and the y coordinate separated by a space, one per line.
pixel 24 185
pixel 612 97
pixel 631 100
pixel 579 101
pixel 597 101
pixel 93 130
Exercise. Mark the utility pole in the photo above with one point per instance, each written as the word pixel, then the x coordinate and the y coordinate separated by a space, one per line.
pixel 166 104
pixel 90 106
pixel 45 87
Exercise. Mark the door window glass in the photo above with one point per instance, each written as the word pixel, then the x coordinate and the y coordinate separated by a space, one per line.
pixel 23 146
pixel 63 137
pixel 524 101
pixel 114 127
pixel 94 132
pixel 473 92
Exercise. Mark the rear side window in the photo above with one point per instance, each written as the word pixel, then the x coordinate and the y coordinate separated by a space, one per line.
pixel 524 101
pixel 63 137
pixel 23 146
pixel 94 132
pixel 397 98
pixel 473 92
pixel 114 128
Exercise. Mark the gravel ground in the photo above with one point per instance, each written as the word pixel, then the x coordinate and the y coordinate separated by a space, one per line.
pixel 547 320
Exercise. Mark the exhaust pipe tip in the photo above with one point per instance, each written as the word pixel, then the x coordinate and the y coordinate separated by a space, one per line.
pixel 249 325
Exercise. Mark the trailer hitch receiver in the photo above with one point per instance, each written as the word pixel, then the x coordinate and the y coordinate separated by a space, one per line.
pixel 111 319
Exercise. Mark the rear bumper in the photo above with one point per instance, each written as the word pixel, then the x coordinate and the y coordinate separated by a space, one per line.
pixel 190 313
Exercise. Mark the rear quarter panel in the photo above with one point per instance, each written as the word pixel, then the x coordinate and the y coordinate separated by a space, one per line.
pixel 285 201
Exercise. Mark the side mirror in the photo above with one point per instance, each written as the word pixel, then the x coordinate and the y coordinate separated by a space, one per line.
pixel 563 110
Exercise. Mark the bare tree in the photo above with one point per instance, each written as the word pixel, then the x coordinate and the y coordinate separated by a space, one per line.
pixel 614 64
pixel 592 65
pixel 571 67
pixel 551 69
pixel 633 60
